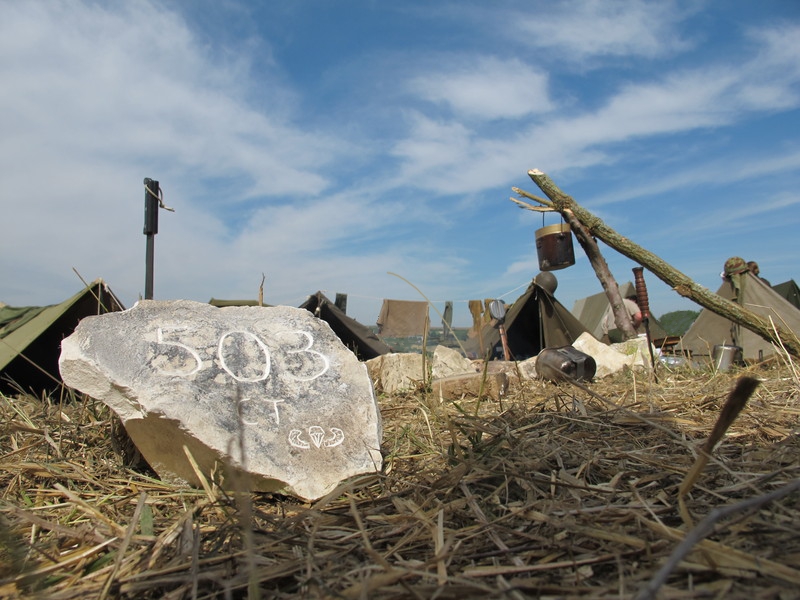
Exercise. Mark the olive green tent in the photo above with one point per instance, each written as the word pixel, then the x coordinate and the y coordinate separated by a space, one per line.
pixel 591 311
pixel 790 291
pixel 30 337
pixel 535 321
pixel 711 329
pixel 222 303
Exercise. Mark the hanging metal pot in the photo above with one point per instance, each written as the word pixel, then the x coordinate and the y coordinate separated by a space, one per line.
pixel 554 247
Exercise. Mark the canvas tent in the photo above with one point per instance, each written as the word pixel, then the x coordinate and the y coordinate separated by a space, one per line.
pixel 536 320
pixel 711 329
pixel 359 338
pixel 592 310
pixel 790 291
pixel 30 337
pixel 403 318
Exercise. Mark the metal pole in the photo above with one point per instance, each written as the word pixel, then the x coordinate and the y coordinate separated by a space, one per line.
pixel 151 203
pixel 341 302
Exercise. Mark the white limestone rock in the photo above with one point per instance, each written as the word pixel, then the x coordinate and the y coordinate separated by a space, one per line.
pixel 397 372
pixel 613 358
pixel 448 361
pixel 267 395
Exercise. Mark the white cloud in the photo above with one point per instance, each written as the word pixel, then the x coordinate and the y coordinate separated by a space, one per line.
pixel 435 150
pixel 431 145
pixel 746 220
pixel 134 83
pixel 771 77
pixel 780 46
pixel 579 29
pixel 710 173
pixel 675 102
pixel 486 88
pixel 100 96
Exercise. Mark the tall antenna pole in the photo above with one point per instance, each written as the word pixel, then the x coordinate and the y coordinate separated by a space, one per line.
pixel 152 193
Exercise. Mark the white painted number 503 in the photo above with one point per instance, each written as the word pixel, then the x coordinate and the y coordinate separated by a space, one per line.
pixel 300 373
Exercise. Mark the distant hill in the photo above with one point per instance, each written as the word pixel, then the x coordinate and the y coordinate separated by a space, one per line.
pixel 436 337
pixel 678 322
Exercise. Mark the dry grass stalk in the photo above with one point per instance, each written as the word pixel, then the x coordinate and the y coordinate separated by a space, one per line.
pixel 556 492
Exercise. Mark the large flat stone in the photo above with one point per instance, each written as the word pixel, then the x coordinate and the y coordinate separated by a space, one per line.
pixel 268 396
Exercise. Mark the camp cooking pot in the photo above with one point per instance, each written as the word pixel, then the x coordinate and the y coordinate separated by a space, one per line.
pixel 554 247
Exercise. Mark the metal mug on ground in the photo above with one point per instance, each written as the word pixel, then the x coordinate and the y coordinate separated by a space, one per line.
pixel 556 363
pixel 725 356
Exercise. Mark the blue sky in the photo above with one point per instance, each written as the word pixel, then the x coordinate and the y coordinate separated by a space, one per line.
pixel 326 144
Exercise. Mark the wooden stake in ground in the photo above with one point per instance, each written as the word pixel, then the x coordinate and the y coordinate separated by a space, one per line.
pixel 682 284
pixel 736 401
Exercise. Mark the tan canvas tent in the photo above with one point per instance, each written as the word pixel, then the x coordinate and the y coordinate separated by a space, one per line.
pixel 710 329
pixel 535 321
pixel 591 310
pixel 30 336
pixel 403 318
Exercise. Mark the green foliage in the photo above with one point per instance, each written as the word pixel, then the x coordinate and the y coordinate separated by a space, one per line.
pixel 678 321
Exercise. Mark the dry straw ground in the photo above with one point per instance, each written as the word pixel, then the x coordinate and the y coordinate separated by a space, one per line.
pixel 553 493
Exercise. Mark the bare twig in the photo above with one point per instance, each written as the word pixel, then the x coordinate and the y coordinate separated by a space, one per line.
pixel 705 527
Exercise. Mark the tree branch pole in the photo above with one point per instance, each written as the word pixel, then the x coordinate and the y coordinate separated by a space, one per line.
pixel 682 284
